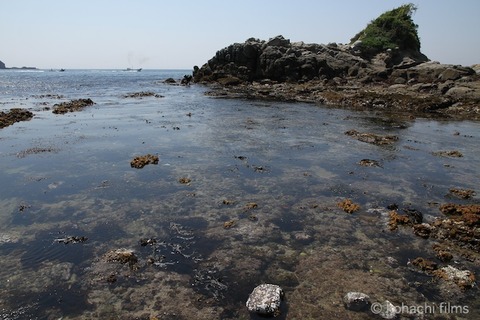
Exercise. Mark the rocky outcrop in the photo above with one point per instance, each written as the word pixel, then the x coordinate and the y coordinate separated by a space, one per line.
pixel 2 65
pixel 339 75
pixel 280 60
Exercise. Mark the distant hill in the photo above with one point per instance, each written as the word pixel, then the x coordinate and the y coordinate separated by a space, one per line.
pixel 2 66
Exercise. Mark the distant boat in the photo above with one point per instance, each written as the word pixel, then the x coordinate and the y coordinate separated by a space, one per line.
pixel 61 70
pixel 138 70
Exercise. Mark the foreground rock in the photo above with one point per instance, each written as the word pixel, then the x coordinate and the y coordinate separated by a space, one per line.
pixel 265 299
pixel 14 115
pixel 340 75
pixel 356 301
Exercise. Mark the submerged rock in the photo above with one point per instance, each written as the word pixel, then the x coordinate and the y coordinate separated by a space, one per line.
pixel 122 256
pixel 356 301
pixel 265 299
pixel 388 310
pixel 143 94
pixel 372 138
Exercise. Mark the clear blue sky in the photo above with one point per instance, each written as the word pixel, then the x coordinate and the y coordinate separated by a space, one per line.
pixel 169 34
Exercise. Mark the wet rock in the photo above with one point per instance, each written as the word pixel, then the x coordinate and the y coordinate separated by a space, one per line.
pixel 372 137
pixel 184 180
pixel 387 310
pixel 265 299
pixel 396 219
pixel 442 254
pixel 414 215
pixel 251 205
pixel 186 79
pixel 348 206
pixel 465 279
pixel 143 94
pixel 422 230
pixel 123 256
pixel 14 115
pixel 141 161
pixel 452 153
pixel 72 106
pixel 462 193
pixel 35 150
pixel 424 265
pixel 148 242
pixel 469 214
pixel 369 163
pixel 410 218
pixel 71 239
pixel 229 224
pixel 170 81
pixel 356 301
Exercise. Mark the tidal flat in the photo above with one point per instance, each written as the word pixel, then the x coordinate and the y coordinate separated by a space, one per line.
pixel 242 192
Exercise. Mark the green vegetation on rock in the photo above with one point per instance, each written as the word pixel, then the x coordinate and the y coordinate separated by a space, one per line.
pixel 393 29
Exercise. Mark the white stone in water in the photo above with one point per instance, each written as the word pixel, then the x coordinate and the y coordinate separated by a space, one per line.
pixel 388 310
pixel 356 301
pixel 265 299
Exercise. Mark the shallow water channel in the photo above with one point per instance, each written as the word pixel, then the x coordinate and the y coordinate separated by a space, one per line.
pixel 258 205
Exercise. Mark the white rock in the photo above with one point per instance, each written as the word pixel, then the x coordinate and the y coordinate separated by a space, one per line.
pixel 389 311
pixel 265 299
pixel 356 301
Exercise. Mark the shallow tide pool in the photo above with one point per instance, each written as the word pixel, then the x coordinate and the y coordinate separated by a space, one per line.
pixel 244 193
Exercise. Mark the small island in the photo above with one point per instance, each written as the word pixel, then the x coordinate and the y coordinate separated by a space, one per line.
pixel 382 68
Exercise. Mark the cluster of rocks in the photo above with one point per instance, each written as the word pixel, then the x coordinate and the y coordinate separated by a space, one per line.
pixel 142 94
pixel 72 106
pixel 339 75
pixel 14 115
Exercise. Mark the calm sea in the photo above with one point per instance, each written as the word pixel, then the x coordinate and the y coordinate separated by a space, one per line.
pixel 245 192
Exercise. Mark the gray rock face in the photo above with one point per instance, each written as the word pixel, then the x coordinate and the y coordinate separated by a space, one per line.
pixel 356 301
pixel 2 65
pixel 265 299
pixel 280 60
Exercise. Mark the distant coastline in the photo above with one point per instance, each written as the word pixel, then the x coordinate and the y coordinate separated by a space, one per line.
pixel 3 67
pixel 20 68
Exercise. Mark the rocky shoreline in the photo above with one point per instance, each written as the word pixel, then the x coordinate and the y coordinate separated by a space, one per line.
pixel 339 75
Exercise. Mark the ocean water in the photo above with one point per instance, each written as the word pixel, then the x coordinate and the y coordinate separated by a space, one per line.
pixel 275 171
